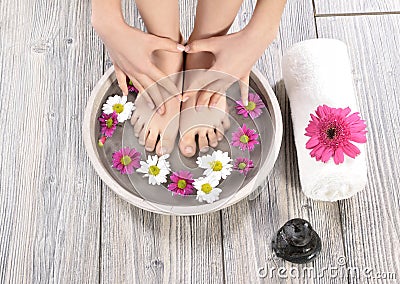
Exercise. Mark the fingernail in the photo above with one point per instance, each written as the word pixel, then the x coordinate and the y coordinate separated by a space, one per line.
pixel 204 149
pixel 164 150
pixel 245 102
pixel 188 149
pixel 160 111
pixel 180 47
pixel 220 138
pixel 151 106
pixel 214 104
pixel 187 48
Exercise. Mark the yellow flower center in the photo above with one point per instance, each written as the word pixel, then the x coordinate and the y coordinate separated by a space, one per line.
pixel 216 166
pixel 250 106
pixel 206 188
pixel 125 160
pixel 118 108
pixel 181 183
pixel 130 83
pixel 244 138
pixel 109 122
pixel 242 166
pixel 154 170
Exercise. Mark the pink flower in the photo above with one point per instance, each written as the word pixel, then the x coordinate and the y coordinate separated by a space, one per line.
pixel 108 123
pixel 243 165
pixel 131 87
pixel 245 138
pixel 126 160
pixel 331 132
pixel 182 183
pixel 253 108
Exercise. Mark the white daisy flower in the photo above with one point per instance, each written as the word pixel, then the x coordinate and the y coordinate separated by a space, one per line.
pixel 207 189
pixel 217 165
pixel 155 168
pixel 120 106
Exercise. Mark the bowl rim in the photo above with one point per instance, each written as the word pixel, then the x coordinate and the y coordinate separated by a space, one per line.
pixel 90 143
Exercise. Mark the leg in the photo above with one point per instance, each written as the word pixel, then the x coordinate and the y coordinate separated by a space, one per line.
pixel 213 18
pixel 155 131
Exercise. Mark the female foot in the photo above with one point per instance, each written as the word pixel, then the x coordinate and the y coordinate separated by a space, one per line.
pixel 158 132
pixel 208 124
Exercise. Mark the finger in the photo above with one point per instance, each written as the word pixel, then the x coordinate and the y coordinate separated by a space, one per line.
pixel 215 99
pixel 162 43
pixel 163 80
pixel 203 100
pixel 121 78
pixel 208 44
pixel 150 92
pixel 244 89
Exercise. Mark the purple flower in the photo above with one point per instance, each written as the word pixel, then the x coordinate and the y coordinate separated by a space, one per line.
pixel 108 123
pixel 182 183
pixel 253 108
pixel 245 138
pixel 243 165
pixel 126 160
pixel 131 87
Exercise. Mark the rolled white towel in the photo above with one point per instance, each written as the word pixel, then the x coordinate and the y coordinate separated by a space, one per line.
pixel 318 72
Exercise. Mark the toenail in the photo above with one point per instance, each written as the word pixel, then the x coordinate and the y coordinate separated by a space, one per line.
pixel 188 149
pixel 204 149
pixel 214 144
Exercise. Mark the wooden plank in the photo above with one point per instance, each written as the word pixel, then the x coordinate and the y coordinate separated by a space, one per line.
pixel 143 247
pixel 370 219
pixel 249 226
pixel 355 6
pixel 50 195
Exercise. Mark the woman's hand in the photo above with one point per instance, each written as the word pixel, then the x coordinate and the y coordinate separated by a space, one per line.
pixel 235 54
pixel 131 50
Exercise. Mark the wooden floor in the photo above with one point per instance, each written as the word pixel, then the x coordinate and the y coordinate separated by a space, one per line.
pixel 60 223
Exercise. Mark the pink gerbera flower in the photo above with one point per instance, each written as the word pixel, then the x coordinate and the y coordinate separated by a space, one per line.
pixel 243 165
pixel 182 183
pixel 126 160
pixel 331 132
pixel 245 138
pixel 108 123
pixel 131 87
pixel 253 108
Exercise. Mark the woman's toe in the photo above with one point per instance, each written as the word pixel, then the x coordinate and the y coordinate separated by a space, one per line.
pixel 187 144
pixel 151 141
pixel 134 119
pixel 212 138
pixel 165 145
pixel 203 141
pixel 226 122
pixel 142 136
pixel 220 132
pixel 137 128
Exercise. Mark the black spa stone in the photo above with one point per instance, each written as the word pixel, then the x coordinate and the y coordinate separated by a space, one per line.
pixel 297 242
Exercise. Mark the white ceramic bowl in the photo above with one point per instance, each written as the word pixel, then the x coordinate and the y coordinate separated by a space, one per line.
pixel 121 185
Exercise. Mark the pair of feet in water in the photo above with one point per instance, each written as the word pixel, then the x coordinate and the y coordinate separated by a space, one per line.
pixel 194 119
